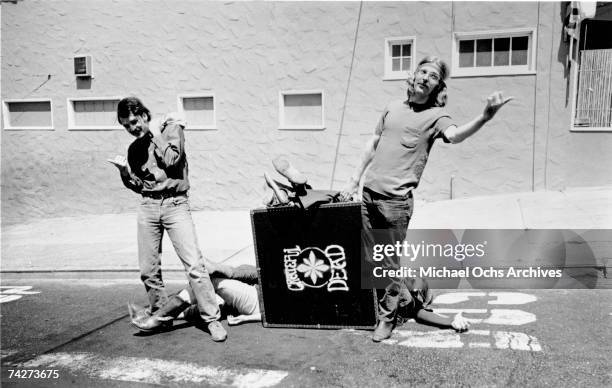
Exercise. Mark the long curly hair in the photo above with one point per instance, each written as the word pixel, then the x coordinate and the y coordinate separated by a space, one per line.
pixel 438 97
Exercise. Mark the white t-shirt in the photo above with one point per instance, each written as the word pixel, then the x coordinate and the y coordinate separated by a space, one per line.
pixel 238 295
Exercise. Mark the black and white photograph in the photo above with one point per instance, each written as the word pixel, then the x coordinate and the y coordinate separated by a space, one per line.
pixel 305 193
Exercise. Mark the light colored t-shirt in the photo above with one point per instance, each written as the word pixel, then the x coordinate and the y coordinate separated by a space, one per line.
pixel 237 295
pixel 406 139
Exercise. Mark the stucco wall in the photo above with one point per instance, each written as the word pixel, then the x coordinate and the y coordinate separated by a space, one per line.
pixel 246 53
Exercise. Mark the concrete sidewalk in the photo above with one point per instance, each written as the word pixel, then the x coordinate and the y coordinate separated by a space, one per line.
pixel 108 242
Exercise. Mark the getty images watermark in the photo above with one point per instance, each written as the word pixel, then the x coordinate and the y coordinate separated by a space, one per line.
pixel 489 258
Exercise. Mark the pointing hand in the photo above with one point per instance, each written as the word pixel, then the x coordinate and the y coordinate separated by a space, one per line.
pixel 494 103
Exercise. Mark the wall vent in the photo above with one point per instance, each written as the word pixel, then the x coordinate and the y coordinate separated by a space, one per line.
pixel 82 66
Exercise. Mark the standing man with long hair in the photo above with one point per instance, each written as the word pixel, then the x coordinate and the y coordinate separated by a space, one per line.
pixel 396 156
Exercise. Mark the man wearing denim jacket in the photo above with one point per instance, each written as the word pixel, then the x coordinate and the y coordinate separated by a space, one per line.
pixel 157 169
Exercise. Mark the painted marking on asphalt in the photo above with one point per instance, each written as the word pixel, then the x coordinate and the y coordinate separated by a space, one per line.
pixel 457 311
pixel 475 338
pixel 426 339
pixel 450 339
pixel 12 293
pixel 480 332
pixel 512 317
pixel 155 371
pixel 504 298
pixel 4 353
pixel 512 298
pixel 9 298
pixel 517 341
pixel 456 297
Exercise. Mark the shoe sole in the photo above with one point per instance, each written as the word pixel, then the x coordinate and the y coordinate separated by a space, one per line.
pixel 380 339
pixel 156 330
pixel 288 171
pixel 219 339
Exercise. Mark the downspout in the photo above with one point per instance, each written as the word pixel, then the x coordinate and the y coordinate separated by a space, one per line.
pixel 535 99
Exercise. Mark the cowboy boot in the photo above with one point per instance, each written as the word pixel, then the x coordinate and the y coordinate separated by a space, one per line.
pixel 162 318
pixel 383 331
pixel 137 312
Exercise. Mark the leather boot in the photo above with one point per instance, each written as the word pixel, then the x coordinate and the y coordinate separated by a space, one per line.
pixel 162 318
pixel 383 331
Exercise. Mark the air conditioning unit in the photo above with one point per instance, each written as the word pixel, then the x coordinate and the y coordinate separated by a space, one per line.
pixel 82 66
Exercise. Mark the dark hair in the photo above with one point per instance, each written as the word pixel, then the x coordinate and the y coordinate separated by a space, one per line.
pixel 131 105
pixel 439 96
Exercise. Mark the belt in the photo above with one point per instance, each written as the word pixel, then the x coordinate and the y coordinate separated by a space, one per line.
pixel 377 195
pixel 162 194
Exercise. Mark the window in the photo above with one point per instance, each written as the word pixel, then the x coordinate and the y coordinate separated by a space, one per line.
pixel 301 110
pixel 27 114
pixel 198 110
pixel 493 53
pixel 399 57
pixel 93 113
pixel 593 77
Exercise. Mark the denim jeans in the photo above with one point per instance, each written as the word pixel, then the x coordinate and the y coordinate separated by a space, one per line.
pixel 391 214
pixel 173 215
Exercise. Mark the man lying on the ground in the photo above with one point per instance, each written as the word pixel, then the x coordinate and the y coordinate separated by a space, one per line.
pixel 414 299
pixel 235 291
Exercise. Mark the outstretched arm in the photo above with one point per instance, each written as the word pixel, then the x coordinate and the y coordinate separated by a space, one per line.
pixel 494 103
pixel 429 317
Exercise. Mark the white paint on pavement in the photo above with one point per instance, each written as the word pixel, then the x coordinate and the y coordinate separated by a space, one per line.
pixel 474 338
pixel 155 371
pixel 12 293
pixel 497 316
pixel 504 298
pixel 509 317
pixel 9 298
pixel 4 353
pixel 456 297
pixel 457 311
pixel 480 332
pixel 449 339
pixel 429 339
pixel 517 341
pixel 512 298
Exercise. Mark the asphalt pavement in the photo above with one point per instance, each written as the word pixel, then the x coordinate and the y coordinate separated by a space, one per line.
pixel 79 329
